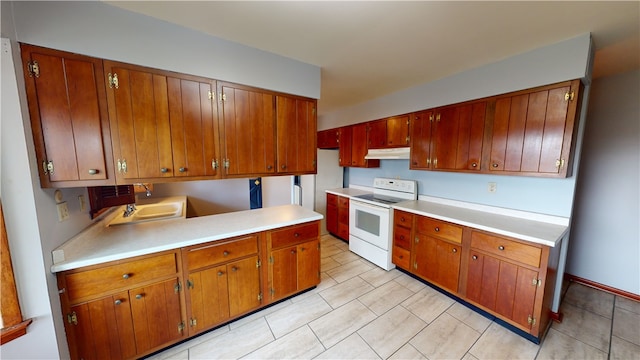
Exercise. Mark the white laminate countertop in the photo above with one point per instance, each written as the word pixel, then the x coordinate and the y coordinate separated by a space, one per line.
pixel 348 192
pixel 537 228
pixel 99 244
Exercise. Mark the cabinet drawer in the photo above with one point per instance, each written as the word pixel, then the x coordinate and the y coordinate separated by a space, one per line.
pixel 401 257
pixel 402 237
pixel 219 252
pixel 343 202
pixel 294 234
pixel 523 253
pixel 402 218
pixel 85 284
pixel 441 229
pixel 332 199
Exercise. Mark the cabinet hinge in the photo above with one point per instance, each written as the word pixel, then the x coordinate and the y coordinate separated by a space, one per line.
pixel 211 95
pixel 181 327
pixel 214 164
pixel 271 260
pixel 569 95
pixel 272 291
pixel 559 164
pixel 189 284
pixel 177 287
pixel 113 81
pixel 62 291
pixel 438 118
pixel 531 320
pixel 260 297
pixel 122 166
pixel 407 139
pixel 431 117
pixel 33 68
pixel 258 263
pixel 47 167
pixel 222 97
pixel 536 282
pixel 72 318
pixel 193 322
pixel 226 163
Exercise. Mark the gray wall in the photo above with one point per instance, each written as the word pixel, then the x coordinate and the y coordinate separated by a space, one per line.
pixel 605 238
pixel 95 29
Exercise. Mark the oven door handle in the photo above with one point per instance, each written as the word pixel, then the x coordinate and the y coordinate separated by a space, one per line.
pixel 362 204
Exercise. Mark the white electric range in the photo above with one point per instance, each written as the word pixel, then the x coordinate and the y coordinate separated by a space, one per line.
pixel 371 219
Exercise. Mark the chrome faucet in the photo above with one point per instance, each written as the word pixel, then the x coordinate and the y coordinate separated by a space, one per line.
pixel 128 211
pixel 145 187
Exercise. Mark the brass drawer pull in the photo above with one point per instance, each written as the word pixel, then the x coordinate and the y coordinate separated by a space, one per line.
pixel 126 276
pixel 164 170
pixel 437 229
pixel 220 273
pixel 475 257
pixel 455 250
pixel 93 171
pixel 501 248
pixel 118 302
pixel 225 253
pixel 139 296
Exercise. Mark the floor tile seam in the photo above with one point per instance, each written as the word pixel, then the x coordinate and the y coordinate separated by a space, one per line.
pixel 624 340
pixel 472 329
pixel 575 338
pixel 591 312
pixel 425 324
pixel 367 343
pixel 541 345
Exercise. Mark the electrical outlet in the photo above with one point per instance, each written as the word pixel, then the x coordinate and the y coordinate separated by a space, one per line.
pixel 492 187
pixel 63 211
pixel 83 205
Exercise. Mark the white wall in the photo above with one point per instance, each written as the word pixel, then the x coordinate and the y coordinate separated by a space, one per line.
pixel 605 240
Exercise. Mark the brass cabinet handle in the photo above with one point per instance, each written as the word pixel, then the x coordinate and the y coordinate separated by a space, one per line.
pixel 269 167
pixel 164 170
pixel 93 171
pixel 225 253
pixel 220 273
pixel 437 229
pixel 494 165
pixel 139 296
pixel 182 169
pixel 126 276
pixel 454 250
pixel 284 167
pixel 474 165
pixel 118 302
pixel 474 257
pixel 234 269
pixel 500 247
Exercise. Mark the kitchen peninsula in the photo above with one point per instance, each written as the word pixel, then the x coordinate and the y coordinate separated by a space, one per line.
pixel 130 290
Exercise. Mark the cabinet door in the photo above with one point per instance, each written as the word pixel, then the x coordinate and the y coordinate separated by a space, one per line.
pixel 482 279
pixel 345 135
pixel 102 329
pixel 359 145
pixel 308 264
pixel 377 134
pixel 67 106
pixel 139 113
pixel 156 314
pixel 517 288
pixel 249 131
pixel 296 135
pixel 448 265
pixel 425 254
pixel 283 272
pixel 208 297
pixel 244 286
pixel 532 130
pixel 398 131
pixel 332 213
pixel 420 138
pixel 194 127
pixel 328 139
pixel 343 217
pixel 457 137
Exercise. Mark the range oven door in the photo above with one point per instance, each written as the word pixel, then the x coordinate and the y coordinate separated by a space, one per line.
pixel 370 223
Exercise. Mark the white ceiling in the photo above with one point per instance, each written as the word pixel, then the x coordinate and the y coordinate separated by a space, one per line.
pixel 367 49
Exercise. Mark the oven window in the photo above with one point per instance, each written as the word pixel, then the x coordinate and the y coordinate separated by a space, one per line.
pixel 368 222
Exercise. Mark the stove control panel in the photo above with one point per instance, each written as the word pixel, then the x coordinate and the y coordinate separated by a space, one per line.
pixel 406 186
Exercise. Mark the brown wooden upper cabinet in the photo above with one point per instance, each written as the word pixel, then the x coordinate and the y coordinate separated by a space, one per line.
pixel 68 111
pixel 389 133
pixel 248 130
pixel 420 130
pixel 296 135
pixel 532 130
pixel 328 139
pixel 165 124
pixel 344 139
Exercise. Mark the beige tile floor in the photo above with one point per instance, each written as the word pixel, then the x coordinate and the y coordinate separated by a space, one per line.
pixel 360 311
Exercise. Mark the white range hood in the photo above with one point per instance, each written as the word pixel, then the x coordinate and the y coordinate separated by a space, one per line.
pixel 388 154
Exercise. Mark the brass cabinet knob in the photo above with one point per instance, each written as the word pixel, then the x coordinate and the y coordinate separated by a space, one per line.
pixel 225 253
pixel 475 257
pixel 437 229
pixel 454 250
pixel 93 171
pixel 220 273
pixel 118 302
pixel 296 234
pixel 494 165
pixel 139 296
pixel 164 170
pixel 182 169
pixel 234 269
pixel 500 247
pixel 125 276
pixel 283 167
pixel 474 165
pixel 269 167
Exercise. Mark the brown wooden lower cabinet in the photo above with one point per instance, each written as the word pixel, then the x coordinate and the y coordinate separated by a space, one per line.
pixel 130 308
pixel 511 279
pixel 338 216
